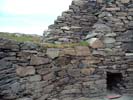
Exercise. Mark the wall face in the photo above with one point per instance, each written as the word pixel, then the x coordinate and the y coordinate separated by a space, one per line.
pixel 74 24
pixel 31 72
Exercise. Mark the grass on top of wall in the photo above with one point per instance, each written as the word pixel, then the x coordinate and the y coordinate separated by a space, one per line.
pixel 36 39
pixel 20 37
pixel 65 45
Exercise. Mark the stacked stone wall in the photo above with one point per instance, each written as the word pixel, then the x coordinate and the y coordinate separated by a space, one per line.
pixel 32 72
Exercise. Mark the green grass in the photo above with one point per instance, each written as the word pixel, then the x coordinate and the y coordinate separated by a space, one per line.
pixel 20 38
pixel 36 39
pixel 84 43
pixel 67 45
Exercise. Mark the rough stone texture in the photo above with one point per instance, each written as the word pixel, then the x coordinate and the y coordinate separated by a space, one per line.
pixel 125 1
pixel 96 43
pixel 52 52
pixel 35 60
pixel 22 71
pixel 82 51
pixel 31 72
pixel 25 99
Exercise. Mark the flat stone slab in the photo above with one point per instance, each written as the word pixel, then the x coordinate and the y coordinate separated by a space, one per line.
pixel 121 98
pixel 53 52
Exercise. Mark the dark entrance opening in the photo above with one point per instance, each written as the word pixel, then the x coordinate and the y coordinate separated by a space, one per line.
pixel 115 82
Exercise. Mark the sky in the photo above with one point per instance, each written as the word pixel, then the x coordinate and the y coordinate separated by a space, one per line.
pixel 30 16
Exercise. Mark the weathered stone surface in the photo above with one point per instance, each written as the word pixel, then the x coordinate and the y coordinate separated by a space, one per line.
pixel 25 98
pixel 35 60
pixel 130 24
pixel 48 89
pixel 100 1
pixel 98 52
pixel 48 77
pixel 71 91
pixel 34 78
pixel 109 40
pixel 68 98
pixel 101 28
pixel 9 45
pixel 101 82
pixel 83 98
pixel 113 9
pixel 130 70
pixel 87 71
pixel 52 52
pixel 28 46
pixel 82 50
pixel 125 1
pixel 78 2
pixel 76 72
pixel 96 43
pixel 91 35
pixel 91 60
pixel 43 97
pixel 65 28
pixel 111 35
pixel 24 71
pixel 69 51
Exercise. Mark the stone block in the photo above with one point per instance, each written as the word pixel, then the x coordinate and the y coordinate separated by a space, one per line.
pixel 34 78
pixel 91 60
pixel 100 82
pixel 98 52
pixel 125 1
pixel 87 71
pixel 130 24
pixel 130 70
pixel 78 2
pixel 113 9
pixel 43 71
pixel 48 77
pixel 109 40
pixel 102 28
pixel 96 43
pixel 63 81
pixel 82 50
pixel 71 91
pixel 69 51
pixel 35 60
pixel 24 71
pixel 25 98
pixel 44 97
pixel 99 1
pixel 53 52
pixel 9 45
pixel 65 28
pixel 88 83
pixel 28 46
pixel 74 72
pixel 48 89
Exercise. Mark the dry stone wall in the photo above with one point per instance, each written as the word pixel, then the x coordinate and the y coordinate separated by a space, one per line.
pixel 32 72
pixel 79 21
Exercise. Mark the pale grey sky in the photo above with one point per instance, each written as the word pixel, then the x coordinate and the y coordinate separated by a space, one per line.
pixel 30 16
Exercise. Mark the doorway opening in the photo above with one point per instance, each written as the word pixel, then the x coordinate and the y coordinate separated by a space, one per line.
pixel 115 82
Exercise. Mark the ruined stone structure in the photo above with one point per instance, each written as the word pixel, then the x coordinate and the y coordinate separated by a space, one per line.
pixel 33 72
pixel 74 24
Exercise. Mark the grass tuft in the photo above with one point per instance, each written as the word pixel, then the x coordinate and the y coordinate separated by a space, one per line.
pixel 36 39
pixel 20 37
